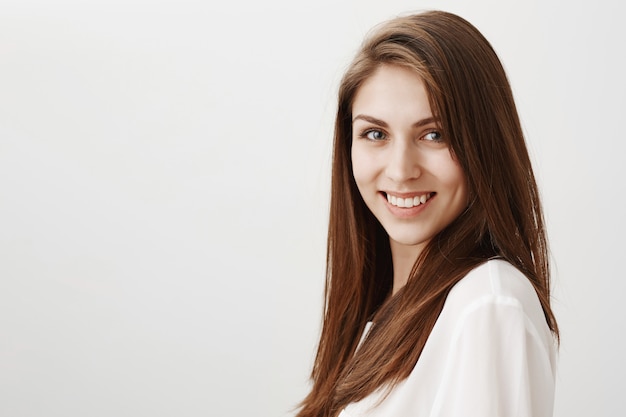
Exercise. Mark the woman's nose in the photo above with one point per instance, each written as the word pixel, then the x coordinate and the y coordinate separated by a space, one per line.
pixel 402 163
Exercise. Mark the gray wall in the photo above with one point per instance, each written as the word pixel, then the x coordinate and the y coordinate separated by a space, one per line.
pixel 164 187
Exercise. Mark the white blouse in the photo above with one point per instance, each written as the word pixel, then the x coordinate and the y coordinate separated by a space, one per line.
pixel 490 354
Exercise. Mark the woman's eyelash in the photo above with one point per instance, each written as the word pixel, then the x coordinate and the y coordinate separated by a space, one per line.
pixel 434 136
pixel 373 135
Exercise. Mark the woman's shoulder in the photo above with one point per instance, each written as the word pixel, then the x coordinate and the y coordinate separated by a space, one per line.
pixel 494 278
pixel 495 284
pixel 491 347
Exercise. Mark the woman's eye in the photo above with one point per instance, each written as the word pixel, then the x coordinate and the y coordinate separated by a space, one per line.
pixel 433 136
pixel 374 135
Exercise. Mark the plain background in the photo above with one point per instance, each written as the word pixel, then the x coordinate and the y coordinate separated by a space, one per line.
pixel 164 188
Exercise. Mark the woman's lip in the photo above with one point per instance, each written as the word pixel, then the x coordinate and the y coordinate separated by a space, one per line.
pixel 407 212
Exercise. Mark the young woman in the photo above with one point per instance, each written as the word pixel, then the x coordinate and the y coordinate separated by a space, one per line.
pixel 437 293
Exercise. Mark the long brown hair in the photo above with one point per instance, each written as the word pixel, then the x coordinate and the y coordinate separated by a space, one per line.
pixel 470 94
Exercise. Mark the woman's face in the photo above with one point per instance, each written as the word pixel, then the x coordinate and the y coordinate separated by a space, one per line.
pixel 401 163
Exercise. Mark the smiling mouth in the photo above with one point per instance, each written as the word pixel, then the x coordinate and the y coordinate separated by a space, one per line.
pixel 409 201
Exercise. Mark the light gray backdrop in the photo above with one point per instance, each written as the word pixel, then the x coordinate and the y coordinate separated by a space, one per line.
pixel 164 187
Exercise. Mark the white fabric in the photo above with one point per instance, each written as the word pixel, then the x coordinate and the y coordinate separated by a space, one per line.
pixel 490 354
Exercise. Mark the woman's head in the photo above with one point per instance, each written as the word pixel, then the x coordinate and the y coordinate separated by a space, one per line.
pixel 470 99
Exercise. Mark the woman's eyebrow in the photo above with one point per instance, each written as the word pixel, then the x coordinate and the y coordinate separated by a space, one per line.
pixel 382 123
pixel 426 121
pixel 370 119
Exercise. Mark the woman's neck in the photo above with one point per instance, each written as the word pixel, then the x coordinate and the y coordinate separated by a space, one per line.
pixel 403 258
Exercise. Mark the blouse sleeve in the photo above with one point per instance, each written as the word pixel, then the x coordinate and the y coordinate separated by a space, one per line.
pixel 499 364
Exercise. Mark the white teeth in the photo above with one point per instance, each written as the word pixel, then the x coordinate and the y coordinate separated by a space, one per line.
pixel 408 202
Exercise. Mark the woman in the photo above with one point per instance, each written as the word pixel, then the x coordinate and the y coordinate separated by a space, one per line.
pixel 437 293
